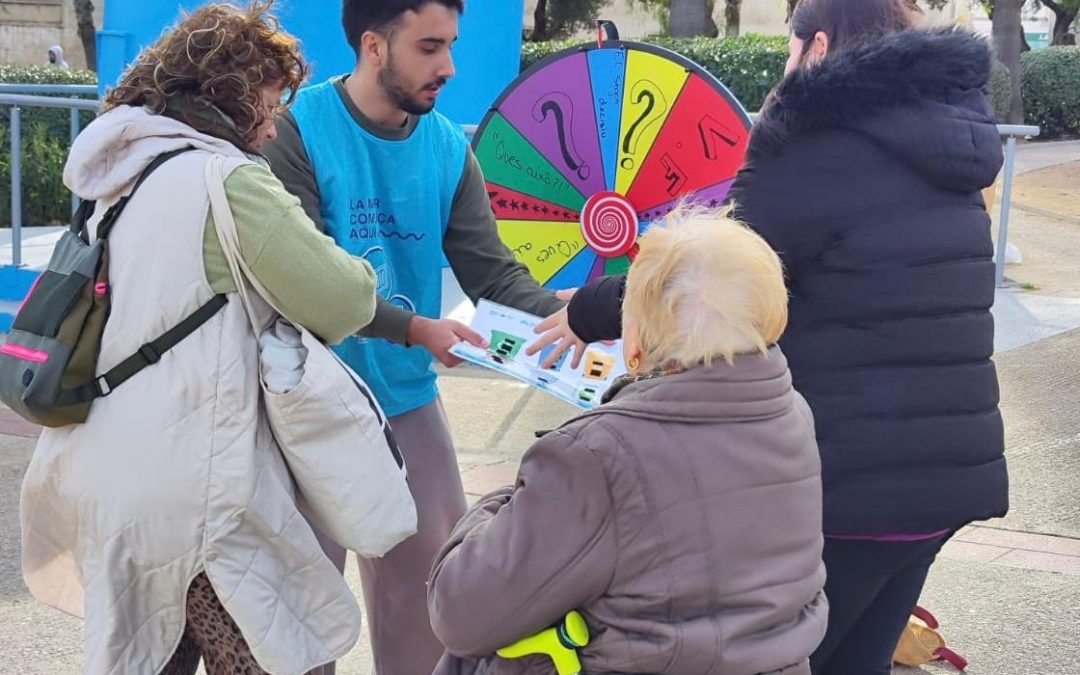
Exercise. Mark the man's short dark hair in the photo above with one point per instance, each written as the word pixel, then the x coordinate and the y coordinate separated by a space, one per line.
pixel 382 16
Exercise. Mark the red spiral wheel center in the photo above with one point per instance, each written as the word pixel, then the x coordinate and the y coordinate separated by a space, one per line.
pixel 609 224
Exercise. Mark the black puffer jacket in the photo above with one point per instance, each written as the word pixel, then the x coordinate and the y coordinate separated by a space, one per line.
pixel 865 173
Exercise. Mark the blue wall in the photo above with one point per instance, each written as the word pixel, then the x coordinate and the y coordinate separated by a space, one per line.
pixel 487 55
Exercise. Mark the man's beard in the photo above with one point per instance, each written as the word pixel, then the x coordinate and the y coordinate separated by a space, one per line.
pixel 390 82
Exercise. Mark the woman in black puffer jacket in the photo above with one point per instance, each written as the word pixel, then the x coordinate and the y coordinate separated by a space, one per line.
pixel 864 172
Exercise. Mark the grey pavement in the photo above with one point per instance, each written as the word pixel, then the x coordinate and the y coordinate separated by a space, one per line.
pixel 1005 621
pixel 1023 318
pixel 1032 156
pixel 34 639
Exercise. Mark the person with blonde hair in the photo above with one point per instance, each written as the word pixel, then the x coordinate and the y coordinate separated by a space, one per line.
pixel 169 518
pixel 681 518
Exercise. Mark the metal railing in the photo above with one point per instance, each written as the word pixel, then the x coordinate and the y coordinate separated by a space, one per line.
pixel 17 103
pixel 1010 132
pixel 43 89
pixel 33 95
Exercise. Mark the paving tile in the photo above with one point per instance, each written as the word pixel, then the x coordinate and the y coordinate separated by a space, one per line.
pixel 483 479
pixel 1044 562
pixel 962 550
pixel 13 425
pixel 1021 540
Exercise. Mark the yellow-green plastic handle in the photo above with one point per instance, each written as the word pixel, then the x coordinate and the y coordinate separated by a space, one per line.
pixel 559 642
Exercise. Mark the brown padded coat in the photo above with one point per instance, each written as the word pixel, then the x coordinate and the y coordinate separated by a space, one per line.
pixel 683 519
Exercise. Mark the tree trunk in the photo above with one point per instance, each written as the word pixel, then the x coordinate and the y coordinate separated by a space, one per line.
pixel 689 18
pixel 84 17
pixel 1063 19
pixel 539 31
pixel 732 17
pixel 1007 36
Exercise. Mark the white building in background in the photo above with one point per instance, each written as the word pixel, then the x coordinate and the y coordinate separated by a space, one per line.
pixel 29 27
pixel 768 18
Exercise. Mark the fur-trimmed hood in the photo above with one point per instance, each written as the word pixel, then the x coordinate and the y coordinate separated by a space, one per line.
pixel 920 94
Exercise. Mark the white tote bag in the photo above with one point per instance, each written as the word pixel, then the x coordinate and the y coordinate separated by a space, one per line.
pixel 335 438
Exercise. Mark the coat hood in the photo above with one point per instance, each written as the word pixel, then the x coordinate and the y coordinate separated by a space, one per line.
pixel 57 53
pixel 920 94
pixel 113 150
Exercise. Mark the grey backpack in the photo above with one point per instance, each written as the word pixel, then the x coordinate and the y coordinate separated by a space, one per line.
pixel 48 366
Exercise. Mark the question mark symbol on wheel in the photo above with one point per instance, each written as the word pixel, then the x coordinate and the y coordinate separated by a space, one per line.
pixel 655 107
pixel 559 106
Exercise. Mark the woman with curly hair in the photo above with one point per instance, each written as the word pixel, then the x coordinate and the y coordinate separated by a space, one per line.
pixel 168 520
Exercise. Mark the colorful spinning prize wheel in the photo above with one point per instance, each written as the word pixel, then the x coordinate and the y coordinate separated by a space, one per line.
pixel 589 147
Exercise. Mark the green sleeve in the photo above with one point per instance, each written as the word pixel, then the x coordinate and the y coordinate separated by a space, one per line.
pixel 483 265
pixel 311 279
pixel 290 163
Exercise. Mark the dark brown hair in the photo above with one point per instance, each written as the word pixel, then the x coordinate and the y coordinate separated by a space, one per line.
pixel 849 23
pixel 382 16
pixel 220 56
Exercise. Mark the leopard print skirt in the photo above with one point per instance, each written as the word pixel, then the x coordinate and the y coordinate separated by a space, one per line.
pixel 212 635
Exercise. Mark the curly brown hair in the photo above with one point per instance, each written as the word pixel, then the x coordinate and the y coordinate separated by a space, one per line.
pixel 221 56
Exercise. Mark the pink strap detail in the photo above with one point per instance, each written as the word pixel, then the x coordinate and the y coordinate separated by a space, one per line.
pixel 926 616
pixel 101 288
pixel 24 353
pixel 951 657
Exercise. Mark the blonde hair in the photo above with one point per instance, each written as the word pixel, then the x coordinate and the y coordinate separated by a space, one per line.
pixel 704 287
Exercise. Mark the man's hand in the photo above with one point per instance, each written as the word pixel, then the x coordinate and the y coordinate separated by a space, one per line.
pixel 556 328
pixel 439 335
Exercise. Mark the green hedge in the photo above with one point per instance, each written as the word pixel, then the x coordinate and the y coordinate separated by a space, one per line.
pixel 749 65
pixel 1051 85
pixel 45 141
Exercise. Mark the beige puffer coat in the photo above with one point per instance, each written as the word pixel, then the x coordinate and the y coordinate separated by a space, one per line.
pixel 176 471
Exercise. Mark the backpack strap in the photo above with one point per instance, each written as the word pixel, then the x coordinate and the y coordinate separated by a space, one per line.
pixel 149 354
pixel 109 220
pixel 86 206
pixel 78 221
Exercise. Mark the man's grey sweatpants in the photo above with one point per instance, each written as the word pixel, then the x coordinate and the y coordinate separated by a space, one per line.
pixel 395 586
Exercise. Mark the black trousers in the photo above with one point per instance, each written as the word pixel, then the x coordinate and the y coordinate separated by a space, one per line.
pixel 872 587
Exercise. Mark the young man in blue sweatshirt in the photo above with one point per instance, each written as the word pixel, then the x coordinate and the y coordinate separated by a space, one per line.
pixel 396 183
